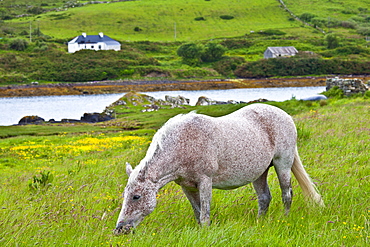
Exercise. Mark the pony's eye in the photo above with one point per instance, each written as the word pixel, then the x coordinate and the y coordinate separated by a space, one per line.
pixel 136 197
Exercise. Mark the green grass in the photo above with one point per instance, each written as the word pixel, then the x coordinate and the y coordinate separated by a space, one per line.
pixel 82 202
pixel 327 9
pixel 157 19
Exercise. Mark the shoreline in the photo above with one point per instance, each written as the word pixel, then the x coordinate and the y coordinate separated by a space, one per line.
pixel 122 86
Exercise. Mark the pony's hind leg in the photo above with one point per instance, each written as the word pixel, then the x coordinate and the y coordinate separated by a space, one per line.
pixel 284 176
pixel 263 193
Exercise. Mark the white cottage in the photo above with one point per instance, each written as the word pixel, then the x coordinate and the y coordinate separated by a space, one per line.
pixel 93 42
pixel 280 51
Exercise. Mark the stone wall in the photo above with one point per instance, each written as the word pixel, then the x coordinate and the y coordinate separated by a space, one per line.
pixel 348 86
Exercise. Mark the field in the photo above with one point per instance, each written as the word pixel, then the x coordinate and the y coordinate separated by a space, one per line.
pixel 60 186
pixel 163 20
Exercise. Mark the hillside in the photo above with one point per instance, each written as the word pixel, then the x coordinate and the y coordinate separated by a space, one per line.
pixel 157 19
pixel 330 37
pixel 162 20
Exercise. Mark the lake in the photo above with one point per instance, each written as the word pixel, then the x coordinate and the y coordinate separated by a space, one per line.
pixel 74 106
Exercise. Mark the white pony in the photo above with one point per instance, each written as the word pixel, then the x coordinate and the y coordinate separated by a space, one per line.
pixel 199 153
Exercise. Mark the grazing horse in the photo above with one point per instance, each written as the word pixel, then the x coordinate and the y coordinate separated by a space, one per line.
pixel 199 153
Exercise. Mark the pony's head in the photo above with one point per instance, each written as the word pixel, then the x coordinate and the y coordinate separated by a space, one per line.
pixel 139 200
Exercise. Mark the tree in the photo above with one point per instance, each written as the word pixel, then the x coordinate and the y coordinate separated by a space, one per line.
pixel 191 53
pixel 212 52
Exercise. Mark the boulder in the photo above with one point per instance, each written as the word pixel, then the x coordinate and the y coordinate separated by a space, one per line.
pixel 179 100
pixel 202 100
pixel 31 120
pixel 95 117
pixel 315 98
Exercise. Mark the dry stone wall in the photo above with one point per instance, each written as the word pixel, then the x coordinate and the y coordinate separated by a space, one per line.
pixel 348 86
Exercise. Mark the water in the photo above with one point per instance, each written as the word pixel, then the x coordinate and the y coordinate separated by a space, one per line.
pixel 74 106
pixel 244 94
pixel 53 107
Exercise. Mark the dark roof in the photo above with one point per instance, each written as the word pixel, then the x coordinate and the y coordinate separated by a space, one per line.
pixel 89 39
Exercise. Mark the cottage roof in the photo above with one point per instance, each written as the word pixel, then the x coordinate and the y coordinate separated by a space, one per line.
pixel 283 50
pixel 93 39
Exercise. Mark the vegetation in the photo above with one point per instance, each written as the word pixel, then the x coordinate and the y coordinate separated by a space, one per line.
pixel 60 186
pixel 34 34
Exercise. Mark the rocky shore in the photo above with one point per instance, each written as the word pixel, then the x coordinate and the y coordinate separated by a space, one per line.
pixel 121 86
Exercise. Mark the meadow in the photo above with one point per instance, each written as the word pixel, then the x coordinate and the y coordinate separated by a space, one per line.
pixel 159 20
pixel 61 186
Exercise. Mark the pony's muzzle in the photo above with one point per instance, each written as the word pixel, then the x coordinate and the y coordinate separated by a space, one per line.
pixel 123 228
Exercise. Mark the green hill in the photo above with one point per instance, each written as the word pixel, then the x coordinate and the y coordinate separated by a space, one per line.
pixel 163 20
pixel 152 31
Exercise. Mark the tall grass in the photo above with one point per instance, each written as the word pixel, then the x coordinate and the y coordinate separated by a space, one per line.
pixel 85 177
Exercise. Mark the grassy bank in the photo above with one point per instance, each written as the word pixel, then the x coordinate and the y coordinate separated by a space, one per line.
pixel 62 185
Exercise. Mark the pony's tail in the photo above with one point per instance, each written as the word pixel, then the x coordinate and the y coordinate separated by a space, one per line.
pixel 308 188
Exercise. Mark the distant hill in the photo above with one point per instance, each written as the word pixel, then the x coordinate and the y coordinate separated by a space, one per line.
pixel 162 20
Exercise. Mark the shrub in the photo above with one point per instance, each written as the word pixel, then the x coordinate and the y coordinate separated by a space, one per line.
pixel 364 31
pixel 212 52
pixel 190 53
pixel 334 92
pixel 332 41
pixel 138 29
pixel 307 17
pixel 18 44
pixel 272 32
pixel 227 66
pixel 226 17
pixel 199 19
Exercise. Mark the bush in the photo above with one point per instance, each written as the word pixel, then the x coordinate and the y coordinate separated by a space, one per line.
pixel 307 17
pixel 18 44
pixel 334 92
pixel 226 17
pixel 190 53
pixel 212 52
pixel 364 31
pixel 12 78
pixel 332 41
pixel 227 66
pixel 296 66
pixel 199 19
pixel 272 32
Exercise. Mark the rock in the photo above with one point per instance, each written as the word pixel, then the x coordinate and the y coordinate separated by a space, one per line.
pixel 202 100
pixel 66 120
pixel 179 100
pixel 150 108
pixel 31 120
pixel 95 117
pixel 315 98
pixel 348 86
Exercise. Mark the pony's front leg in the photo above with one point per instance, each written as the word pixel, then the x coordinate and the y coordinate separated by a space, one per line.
pixel 193 197
pixel 205 196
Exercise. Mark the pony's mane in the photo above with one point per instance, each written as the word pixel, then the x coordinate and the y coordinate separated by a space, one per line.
pixel 157 142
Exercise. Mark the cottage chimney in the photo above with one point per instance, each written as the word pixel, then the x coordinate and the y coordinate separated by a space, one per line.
pixel 84 34
pixel 101 35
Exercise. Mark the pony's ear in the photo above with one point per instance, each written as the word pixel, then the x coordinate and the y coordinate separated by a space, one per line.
pixel 128 169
